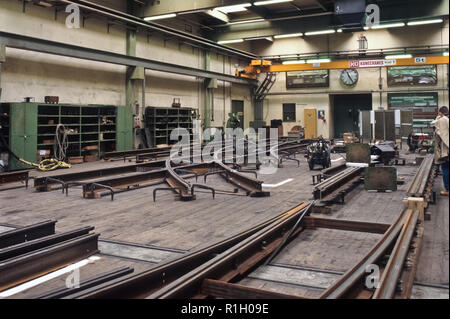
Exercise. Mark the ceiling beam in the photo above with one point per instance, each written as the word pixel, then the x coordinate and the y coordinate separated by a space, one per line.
pixel 22 42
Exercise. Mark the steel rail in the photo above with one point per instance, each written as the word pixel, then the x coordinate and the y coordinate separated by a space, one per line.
pixel 394 267
pixel 42 184
pixel 417 187
pixel 233 262
pixel 327 187
pixel 29 246
pixel 353 276
pixel 141 285
pixel 93 189
pixel 92 282
pixel 39 262
pixel 182 187
pixel 21 235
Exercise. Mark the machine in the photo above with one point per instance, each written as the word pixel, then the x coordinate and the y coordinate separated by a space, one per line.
pixel 318 153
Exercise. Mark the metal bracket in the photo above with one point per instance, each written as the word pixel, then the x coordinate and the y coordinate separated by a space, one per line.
pixel 174 189
pixel 50 179
pixel 103 186
pixel 213 173
pixel 204 187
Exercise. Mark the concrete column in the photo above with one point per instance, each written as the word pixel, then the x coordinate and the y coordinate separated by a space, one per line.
pixel 135 76
pixel 2 60
pixel 208 94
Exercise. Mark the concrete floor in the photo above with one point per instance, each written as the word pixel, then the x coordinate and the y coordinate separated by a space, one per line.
pixel 139 233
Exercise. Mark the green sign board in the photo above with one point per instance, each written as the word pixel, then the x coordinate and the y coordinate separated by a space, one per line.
pixel 412 75
pixel 307 79
pixel 413 100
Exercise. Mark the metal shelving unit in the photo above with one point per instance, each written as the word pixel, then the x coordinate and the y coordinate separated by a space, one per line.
pixel 160 122
pixel 32 128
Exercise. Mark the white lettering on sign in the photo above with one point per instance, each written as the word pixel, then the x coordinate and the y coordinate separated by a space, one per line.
pixel 371 63
pixel 354 64
pixel 420 60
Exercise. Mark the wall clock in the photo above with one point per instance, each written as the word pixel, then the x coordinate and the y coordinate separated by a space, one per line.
pixel 349 77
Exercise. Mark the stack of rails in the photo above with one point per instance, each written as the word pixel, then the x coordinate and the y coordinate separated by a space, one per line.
pixel 338 185
pixel 33 251
pixel 420 186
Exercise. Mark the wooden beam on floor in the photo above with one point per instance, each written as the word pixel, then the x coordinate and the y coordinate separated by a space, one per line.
pixel 221 289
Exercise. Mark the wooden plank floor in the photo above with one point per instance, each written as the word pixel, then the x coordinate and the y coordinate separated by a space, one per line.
pixel 134 218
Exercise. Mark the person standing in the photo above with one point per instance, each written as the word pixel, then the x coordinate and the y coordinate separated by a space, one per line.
pixel 441 145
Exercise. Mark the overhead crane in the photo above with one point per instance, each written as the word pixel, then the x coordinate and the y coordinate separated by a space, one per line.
pixel 261 66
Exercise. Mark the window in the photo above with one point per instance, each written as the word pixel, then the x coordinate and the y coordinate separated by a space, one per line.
pixel 289 113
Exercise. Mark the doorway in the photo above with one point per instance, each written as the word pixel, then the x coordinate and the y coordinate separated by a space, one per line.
pixel 346 109
pixel 237 107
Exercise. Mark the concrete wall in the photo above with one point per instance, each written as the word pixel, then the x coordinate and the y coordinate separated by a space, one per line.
pixel 29 74
pixel 369 78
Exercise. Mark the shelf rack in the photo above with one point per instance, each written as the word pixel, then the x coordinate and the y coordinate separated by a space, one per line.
pixel 32 128
pixel 160 122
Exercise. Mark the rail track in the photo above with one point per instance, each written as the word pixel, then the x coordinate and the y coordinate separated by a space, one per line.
pixel 215 271
pixel 336 187
pixel 31 252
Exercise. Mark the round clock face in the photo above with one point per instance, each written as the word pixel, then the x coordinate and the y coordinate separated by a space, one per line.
pixel 349 77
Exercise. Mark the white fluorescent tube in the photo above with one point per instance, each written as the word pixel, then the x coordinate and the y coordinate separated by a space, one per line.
pixel 235 8
pixel 320 32
pixel 164 16
pixel 292 35
pixel 231 41
pixel 268 2
pixel 392 25
pixel 394 57
pixel 425 22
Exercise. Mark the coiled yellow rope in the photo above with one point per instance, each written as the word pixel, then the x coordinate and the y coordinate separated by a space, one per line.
pixel 47 165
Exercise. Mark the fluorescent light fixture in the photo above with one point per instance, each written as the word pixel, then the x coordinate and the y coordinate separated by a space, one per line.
pixel 366 28
pixel 445 53
pixel 235 8
pixel 339 31
pixel 294 62
pixel 247 21
pixel 401 56
pixel 269 2
pixel 391 25
pixel 314 61
pixel 292 35
pixel 425 22
pixel 259 38
pixel 218 15
pixel 320 32
pixel 231 41
pixel 164 16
